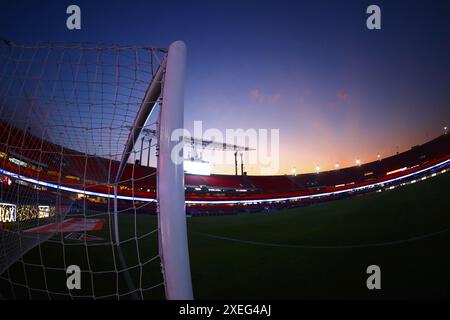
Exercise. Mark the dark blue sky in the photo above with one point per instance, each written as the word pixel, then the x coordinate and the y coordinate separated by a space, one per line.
pixel 312 69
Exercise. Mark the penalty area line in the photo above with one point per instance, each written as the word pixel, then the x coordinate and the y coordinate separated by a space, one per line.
pixel 299 246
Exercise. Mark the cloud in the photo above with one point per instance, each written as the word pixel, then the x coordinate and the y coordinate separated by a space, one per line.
pixel 256 95
pixel 260 97
pixel 332 104
pixel 342 95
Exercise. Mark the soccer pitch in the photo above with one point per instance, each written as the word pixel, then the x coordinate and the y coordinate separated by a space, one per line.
pixel 320 251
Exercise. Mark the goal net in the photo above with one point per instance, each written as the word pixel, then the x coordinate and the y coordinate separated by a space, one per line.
pixel 82 214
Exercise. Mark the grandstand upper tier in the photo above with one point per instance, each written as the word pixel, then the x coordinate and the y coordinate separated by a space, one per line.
pixel 29 156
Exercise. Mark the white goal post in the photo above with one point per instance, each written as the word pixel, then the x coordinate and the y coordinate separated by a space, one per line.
pixel 171 198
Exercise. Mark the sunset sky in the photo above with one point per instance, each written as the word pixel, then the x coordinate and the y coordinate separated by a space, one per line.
pixel 336 90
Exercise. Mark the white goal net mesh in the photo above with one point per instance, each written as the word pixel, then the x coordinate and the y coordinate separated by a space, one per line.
pixel 66 112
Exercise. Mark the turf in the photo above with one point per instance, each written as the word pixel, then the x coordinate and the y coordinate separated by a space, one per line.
pixel 320 251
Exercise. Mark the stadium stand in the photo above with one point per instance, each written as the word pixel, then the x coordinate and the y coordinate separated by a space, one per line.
pixel 37 158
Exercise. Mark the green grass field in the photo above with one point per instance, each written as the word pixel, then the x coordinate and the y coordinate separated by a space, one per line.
pixel 320 251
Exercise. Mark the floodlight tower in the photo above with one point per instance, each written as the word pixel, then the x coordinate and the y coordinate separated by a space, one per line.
pixel 235 163
pixel 140 154
pixel 148 151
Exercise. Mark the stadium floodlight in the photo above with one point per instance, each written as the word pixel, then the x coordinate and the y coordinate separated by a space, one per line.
pixel 445 129
pixel 76 115
pixel 197 167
